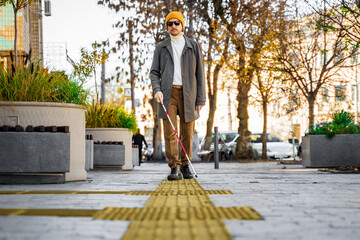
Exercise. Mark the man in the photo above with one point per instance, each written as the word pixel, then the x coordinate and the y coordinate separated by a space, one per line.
pixel 178 82
pixel 138 139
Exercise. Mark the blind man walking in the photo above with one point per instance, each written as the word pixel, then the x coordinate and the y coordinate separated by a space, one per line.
pixel 178 82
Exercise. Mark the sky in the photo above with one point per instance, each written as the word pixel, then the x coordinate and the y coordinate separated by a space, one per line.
pixel 79 23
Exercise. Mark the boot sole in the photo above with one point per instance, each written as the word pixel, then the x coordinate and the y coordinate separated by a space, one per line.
pixel 174 178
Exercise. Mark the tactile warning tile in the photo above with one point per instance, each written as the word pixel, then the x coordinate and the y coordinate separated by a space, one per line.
pixel 179 213
pixel 176 209
pixel 177 229
pixel 185 211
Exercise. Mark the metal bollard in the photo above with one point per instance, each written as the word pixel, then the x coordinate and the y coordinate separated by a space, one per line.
pixel 216 148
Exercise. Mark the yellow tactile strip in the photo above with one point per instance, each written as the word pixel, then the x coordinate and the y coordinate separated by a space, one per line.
pixel 64 192
pixel 49 212
pixel 172 213
pixel 160 192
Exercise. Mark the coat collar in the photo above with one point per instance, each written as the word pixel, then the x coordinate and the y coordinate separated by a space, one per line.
pixel 167 44
pixel 187 42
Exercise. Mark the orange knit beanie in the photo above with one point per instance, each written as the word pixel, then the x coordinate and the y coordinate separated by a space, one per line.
pixel 176 15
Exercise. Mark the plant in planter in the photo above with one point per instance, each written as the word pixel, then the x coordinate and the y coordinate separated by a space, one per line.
pixel 333 144
pixel 34 83
pixel 31 95
pixel 109 116
pixel 111 123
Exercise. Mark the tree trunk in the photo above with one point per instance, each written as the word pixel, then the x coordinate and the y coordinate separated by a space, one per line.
pixel 157 154
pixel 311 100
pixel 243 148
pixel 264 151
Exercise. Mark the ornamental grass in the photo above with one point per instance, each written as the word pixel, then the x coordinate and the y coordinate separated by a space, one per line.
pixel 109 116
pixel 33 83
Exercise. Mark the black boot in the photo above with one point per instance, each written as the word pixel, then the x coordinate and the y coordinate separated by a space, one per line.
pixel 175 174
pixel 185 170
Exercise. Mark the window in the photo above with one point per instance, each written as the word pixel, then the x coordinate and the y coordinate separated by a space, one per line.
pixel 339 53
pixel 354 57
pixel 294 60
pixel 323 58
pixel 354 93
pixel 339 93
pixel 325 94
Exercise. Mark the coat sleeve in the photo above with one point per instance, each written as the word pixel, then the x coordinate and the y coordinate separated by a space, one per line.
pixel 200 78
pixel 155 72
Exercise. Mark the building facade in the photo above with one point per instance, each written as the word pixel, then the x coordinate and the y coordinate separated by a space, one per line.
pixel 29 33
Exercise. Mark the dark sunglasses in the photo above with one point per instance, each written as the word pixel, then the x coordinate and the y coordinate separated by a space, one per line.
pixel 177 23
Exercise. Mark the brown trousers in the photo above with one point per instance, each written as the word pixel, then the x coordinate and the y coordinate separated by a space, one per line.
pixel 176 107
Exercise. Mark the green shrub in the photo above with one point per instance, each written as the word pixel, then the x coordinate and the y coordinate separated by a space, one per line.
pixel 72 91
pixel 109 116
pixel 342 123
pixel 34 83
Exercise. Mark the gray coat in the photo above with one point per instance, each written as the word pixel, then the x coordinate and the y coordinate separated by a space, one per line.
pixel 192 72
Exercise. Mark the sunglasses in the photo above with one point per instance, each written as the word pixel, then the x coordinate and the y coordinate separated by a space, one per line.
pixel 177 23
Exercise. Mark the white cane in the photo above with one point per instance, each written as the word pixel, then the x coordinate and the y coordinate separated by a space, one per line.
pixel 179 140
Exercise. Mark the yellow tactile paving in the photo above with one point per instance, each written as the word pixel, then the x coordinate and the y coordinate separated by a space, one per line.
pixel 176 209
pixel 180 213
pixel 184 212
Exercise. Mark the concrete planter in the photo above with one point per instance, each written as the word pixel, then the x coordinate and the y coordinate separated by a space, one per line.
pixel 34 157
pixel 109 156
pixel 321 151
pixel 52 114
pixel 116 135
pixel 89 154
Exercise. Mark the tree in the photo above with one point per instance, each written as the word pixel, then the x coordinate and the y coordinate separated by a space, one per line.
pixel 339 15
pixel 302 45
pixel 249 24
pixel 17 6
pixel 267 82
pixel 217 42
pixel 88 63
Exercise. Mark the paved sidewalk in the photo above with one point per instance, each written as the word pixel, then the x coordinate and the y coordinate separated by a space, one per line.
pixel 296 203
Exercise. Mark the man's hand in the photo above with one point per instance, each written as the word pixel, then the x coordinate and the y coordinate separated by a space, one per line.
pixel 198 107
pixel 159 97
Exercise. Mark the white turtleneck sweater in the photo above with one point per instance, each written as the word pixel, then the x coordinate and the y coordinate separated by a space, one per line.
pixel 177 44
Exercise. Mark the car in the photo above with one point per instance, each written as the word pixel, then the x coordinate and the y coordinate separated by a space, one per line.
pixel 207 155
pixel 276 148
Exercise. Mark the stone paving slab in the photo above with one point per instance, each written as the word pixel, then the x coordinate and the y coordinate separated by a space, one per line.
pixel 296 203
